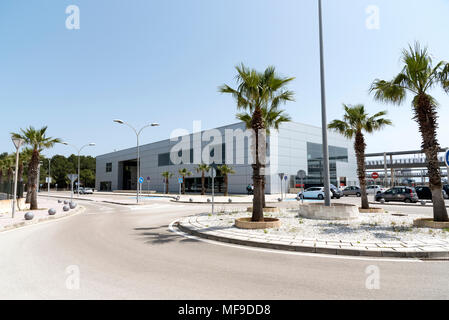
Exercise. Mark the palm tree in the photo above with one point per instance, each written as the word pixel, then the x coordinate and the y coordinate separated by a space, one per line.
pixel 418 76
pixel 255 92
pixel 167 175
pixel 225 170
pixel 273 118
pixel 203 168
pixel 355 122
pixel 38 141
pixel 184 172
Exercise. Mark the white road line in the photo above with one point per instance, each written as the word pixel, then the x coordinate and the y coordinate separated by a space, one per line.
pixel 313 255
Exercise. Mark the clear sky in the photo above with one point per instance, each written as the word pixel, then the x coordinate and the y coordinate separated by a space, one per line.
pixel 162 60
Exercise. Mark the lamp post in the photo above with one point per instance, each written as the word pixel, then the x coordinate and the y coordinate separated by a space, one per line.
pixel 17 143
pixel 49 175
pixel 327 201
pixel 39 176
pixel 92 144
pixel 154 124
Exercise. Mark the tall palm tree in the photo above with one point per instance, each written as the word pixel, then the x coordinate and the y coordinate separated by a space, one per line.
pixel 38 141
pixel 418 76
pixel 355 122
pixel 184 173
pixel 167 175
pixel 225 170
pixel 256 91
pixel 203 168
pixel 272 118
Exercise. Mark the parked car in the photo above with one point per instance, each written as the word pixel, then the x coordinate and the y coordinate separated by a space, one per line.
pixel 424 193
pixel 375 189
pixel 352 191
pixel 313 193
pixel 402 194
pixel 85 190
pixel 446 189
pixel 336 193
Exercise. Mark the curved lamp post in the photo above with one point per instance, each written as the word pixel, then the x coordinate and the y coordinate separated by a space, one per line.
pixel 92 144
pixel 17 143
pixel 154 124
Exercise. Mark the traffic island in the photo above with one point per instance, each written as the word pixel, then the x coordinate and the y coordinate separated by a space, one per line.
pixel 372 234
pixel 267 223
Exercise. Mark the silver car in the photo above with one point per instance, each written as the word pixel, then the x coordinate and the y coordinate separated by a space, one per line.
pixel 352 191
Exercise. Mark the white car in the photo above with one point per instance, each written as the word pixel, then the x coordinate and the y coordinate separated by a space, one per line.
pixel 313 193
pixel 375 189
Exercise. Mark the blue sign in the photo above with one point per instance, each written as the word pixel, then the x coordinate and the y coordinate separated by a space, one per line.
pixel 285 178
pixel 148 178
pixel 141 180
pixel 446 157
pixel 179 180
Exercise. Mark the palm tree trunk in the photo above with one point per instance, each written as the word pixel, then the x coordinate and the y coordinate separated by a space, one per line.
pixel 166 185
pixel 359 146
pixel 32 176
pixel 203 189
pixel 263 192
pixel 226 185
pixel 426 117
pixel 183 185
pixel 257 124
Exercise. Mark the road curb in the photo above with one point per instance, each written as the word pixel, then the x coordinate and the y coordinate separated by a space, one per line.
pixel 386 253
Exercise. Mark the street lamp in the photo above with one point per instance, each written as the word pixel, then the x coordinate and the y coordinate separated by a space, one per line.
pixel 92 144
pixel 154 124
pixel 17 143
pixel 327 201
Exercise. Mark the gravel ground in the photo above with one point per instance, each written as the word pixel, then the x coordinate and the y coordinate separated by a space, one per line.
pixel 368 227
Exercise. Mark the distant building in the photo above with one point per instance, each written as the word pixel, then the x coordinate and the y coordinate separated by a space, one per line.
pixel 293 147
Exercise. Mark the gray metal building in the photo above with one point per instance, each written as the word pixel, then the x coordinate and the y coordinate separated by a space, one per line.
pixel 293 147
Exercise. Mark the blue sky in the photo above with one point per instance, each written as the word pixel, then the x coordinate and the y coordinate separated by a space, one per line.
pixel 153 60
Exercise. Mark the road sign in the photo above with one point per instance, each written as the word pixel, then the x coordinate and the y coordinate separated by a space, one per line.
pixel 375 175
pixel 72 177
pixel 446 157
pixel 148 178
pixel 47 180
pixel 141 180
pixel 179 180
pixel 301 174
pixel 285 178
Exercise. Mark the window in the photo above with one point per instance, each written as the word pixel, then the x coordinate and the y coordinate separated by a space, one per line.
pixel 109 167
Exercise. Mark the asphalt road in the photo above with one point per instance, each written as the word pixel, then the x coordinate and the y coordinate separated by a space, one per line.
pixel 127 252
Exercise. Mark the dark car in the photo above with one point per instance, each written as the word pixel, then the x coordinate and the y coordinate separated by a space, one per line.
pixel 335 192
pixel 402 194
pixel 424 193
pixel 446 188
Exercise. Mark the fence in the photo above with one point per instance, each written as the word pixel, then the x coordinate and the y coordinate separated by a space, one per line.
pixel 7 190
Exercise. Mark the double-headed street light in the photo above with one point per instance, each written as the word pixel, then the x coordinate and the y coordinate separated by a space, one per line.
pixel 78 150
pixel 154 124
pixel 17 143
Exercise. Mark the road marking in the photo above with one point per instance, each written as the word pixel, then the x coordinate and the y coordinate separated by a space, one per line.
pixel 313 255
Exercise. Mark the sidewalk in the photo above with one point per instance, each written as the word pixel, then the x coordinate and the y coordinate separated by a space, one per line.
pixel 7 223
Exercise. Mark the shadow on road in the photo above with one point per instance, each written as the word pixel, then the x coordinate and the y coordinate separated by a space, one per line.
pixel 161 235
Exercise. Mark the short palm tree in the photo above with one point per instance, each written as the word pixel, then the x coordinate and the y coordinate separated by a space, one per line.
pixel 257 91
pixel 203 168
pixel 38 141
pixel 167 175
pixel 418 76
pixel 225 171
pixel 184 173
pixel 355 122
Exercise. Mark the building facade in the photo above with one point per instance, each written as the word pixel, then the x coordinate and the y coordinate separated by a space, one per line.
pixel 293 147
